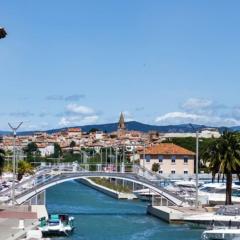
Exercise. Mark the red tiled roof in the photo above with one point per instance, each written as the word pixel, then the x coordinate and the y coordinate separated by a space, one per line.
pixel 167 148
pixel 74 129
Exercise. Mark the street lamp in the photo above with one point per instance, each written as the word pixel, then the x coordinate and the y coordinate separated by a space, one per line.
pixel 197 161
pixel 14 129
pixel 3 33
pixel 144 157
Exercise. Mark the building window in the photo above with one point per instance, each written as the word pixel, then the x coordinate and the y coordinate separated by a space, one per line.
pixel 160 172
pixel 148 158
pixel 160 158
pixel 185 172
pixel 185 159
pixel 173 172
pixel 173 159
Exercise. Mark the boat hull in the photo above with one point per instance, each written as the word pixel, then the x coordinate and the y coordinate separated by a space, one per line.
pixel 220 235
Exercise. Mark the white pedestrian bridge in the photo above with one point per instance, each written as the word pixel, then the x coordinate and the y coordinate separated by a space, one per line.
pixel 48 176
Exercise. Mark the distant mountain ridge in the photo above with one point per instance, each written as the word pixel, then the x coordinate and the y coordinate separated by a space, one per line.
pixel 131 126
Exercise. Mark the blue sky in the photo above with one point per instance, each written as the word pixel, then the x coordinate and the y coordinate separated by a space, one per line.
pixel 75 62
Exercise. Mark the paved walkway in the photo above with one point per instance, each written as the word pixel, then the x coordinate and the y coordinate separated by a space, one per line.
pixel 9 222
pixel 10 231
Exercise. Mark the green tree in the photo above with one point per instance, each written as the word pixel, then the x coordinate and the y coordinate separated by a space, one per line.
pixel 224 158
pixel 92 130
pixel 155 167
pixel 32 151
pixel 2 160
pixel 23 168
pixel 190 143
pixel 212 158
pixel 57 151
pixel 72 145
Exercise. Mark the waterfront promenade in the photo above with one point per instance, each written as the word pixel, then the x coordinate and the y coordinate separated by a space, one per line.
pixel 16 221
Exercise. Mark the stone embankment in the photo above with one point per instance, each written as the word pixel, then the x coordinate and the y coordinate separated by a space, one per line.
pixel 107 191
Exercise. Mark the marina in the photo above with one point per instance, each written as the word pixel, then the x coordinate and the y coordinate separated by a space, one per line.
pixel 119 120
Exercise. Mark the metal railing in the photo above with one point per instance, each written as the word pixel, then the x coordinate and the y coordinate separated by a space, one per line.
pixel 52 173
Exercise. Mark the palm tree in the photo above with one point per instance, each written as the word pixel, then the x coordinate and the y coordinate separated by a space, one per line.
pixel 212 159
pixel 2 159
pixel 23 168
pixel 224 158
pixel 230 160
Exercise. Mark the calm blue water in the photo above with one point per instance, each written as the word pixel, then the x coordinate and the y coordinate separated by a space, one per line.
pixel 99 217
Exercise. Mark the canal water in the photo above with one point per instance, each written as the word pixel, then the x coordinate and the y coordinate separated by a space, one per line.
pixel 99 217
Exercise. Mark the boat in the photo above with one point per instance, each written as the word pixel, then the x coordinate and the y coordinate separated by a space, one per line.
pixel 216 193
pixel 57 224
pixel 34 235
pixel 145 194
pixel 183 188
pixel 221 234
pixel 224 217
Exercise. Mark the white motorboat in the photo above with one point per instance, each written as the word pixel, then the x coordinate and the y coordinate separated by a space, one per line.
pixel 224 217
pixel 57 224
pixel 221 234
pixel 216 193
pixel 145 194
pixel 34 234
pixel 183 188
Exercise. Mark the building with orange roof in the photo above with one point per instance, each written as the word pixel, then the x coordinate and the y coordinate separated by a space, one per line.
pixel 172 159
pixel 74 132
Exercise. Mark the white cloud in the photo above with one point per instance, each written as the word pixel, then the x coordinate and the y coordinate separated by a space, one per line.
pixel 78 120
pixel 184 118
pixel 202 111
pixel 194 104
pixel 30 126
pixel 79 109
pixel 76 114
pixel 236 112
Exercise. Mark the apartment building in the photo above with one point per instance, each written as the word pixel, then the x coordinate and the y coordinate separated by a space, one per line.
pixel 172 159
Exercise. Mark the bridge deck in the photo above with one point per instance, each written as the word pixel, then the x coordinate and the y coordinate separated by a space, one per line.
pixel 133 177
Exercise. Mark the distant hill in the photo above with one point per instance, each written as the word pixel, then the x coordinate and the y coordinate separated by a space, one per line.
pixel 237 128
pixel 133 125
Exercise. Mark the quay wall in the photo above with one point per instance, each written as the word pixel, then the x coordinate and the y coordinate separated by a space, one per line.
pixel 166 214
pixel 110 192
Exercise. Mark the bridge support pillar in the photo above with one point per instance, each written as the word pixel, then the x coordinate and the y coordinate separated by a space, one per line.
pixel 99 167
pixel 39 199
pixel 122 168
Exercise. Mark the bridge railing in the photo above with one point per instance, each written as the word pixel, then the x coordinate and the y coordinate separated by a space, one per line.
pixel 91 167
pixel 57 172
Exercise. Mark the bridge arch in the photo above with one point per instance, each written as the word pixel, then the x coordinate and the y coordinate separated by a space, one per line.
pixel 131 177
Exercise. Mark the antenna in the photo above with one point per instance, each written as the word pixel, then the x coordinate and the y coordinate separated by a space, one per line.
pixel 14 129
